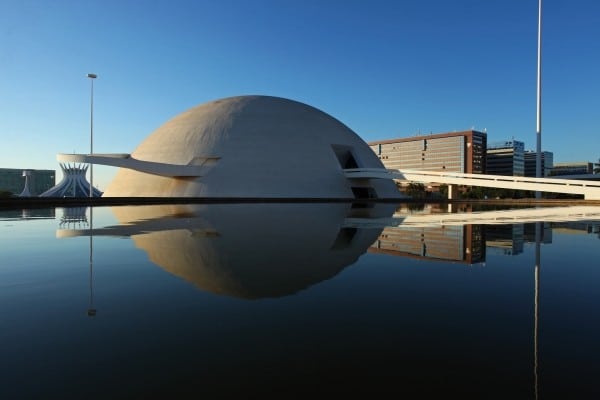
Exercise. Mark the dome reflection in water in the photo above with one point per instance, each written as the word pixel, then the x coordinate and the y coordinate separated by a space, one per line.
pixel 257 300
pixel 251 250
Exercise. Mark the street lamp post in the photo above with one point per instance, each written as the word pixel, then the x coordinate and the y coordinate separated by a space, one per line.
pixel 92 77
pixel 538 155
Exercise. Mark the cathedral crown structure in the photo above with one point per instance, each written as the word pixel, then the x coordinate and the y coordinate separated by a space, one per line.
pixel 73 184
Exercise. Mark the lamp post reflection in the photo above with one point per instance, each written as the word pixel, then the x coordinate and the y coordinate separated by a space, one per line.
pixel 91 312
pixel 536 303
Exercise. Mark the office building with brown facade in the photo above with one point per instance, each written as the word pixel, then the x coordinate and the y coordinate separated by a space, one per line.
pixel 463 151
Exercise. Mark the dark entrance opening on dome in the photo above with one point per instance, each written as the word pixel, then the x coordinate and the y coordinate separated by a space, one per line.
pixel 345 156
pixel 364 192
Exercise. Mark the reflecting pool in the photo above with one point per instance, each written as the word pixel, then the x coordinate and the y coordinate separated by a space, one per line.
pixel 299 300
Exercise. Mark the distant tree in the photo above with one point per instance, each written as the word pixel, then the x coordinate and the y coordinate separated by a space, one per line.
pixel 443 191
pixel 474 192
pixel 415 190
pixel 416 206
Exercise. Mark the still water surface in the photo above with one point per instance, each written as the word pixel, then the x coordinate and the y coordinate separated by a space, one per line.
pixel 298 300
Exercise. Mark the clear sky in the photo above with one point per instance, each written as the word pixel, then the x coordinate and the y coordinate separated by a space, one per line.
pixel 386 69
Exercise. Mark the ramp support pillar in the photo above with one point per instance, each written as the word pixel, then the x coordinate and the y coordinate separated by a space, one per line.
pixel 452 192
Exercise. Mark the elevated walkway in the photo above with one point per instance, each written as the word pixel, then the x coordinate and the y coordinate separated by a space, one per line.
pixel 198 166
pixel 589 189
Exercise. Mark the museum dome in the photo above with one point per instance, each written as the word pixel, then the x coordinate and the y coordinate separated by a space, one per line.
pixel 254 147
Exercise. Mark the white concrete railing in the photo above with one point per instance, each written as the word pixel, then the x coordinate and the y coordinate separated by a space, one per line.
pixel 590 189
pixel 502 217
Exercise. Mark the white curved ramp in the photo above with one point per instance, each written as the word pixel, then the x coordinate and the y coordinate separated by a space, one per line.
pixel 196 167
pixel 589 189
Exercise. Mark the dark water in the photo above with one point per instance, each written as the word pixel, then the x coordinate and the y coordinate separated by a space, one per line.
pixel 298 301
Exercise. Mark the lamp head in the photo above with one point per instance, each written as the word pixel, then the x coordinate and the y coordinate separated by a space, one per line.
pixel 93 76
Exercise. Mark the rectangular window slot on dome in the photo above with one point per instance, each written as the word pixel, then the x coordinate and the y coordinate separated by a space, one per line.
pixel 204 161
pixel 345 156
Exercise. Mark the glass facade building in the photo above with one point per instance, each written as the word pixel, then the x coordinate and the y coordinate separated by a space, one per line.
pixel 572 168
pixel 506 158
pixel 531 163
pixel 13 180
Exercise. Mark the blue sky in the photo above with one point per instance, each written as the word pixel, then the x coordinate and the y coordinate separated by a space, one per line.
pixel 384 68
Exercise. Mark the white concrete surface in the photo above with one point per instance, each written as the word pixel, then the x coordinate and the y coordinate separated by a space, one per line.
pixel 258 146
pixel 590 189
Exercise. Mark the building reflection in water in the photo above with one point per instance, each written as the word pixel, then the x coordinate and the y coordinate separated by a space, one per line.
pixel 27 214
pixel 255 251
pixel 454 243
pixel 577 228
pixel 248 251
pixel 457 243
pixel 510 239
pixel 425 239
pixel 466 236
pixel 74 218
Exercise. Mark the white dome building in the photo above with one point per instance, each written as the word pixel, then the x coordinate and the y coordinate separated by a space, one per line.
pixel 249 147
